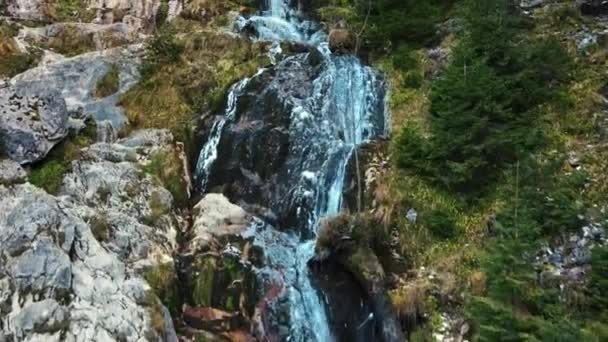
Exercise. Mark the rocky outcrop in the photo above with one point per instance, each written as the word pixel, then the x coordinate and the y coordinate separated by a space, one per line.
pixel 58 280
pixel 76 38
pixel 337 249
pixel 72 266
pixel 220 261
pixel 129 211
pixel 28 9
pixel 74 80
pixel 139 15
pixel 11 172
pixel 30 125
pixel 341 41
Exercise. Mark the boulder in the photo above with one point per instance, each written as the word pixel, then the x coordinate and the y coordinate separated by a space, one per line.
pixel 73 81
pixel 342 41
pixel 216 218
pixel 31 124
pixel 11 172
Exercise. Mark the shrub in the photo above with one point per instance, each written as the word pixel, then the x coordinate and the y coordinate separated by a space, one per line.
pixel 161 49
pixel 109 83
pixel 484 112
pixel 441 224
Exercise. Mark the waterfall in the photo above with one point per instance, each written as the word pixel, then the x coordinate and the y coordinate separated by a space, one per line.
pixel 343 106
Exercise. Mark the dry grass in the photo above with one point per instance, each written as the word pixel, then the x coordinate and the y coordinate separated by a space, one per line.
pixel 409 301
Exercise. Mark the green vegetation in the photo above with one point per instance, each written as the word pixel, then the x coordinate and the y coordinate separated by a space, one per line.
pixel 484 111
pixel 186 72
pixel 167 167
pixel 483 138
pixel 49 173
pixel 163 280
pixel 12 60
pixel 70 10
pixel 109 83
pixel 400 23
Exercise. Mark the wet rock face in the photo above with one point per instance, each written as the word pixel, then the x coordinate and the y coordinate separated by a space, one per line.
pixel 373 161
pixel 594 7
pixel 253 163
pixel 352 319
pixel 71 267
pixel 31 125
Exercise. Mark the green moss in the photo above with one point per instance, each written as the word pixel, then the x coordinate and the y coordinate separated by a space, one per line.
pixel 49 176
pixel 155 310
pixel 49 173
pixel 12 60
pixel 203 283
pixel 167 167
pixel 72 10
pixel 109 83
pixel 163 280
pixel 224 283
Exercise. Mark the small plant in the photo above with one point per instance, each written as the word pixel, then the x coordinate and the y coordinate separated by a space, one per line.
pixel 100 228
pixel 49 176
pixel 163 280
pixel 441 224
pixel 109 83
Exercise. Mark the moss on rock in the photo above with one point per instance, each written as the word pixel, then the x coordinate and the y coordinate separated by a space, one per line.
pixel 163 280
pixel 49 173
pixel 225 283
pixel 109 83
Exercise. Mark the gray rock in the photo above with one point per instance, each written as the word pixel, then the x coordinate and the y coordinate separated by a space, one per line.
pixel 27 9
pixel 216 217
pixel 30 125
pixel 75 81
pixel 106 133
pixel 57 281
pixel 46 316
pixel 11 172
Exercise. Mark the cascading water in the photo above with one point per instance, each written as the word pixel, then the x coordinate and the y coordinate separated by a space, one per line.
pixel 312 110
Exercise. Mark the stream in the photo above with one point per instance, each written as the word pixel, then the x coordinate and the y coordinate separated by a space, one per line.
pixel 281 150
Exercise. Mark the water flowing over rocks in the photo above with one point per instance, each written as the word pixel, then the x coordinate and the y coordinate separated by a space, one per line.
pixel 281 152
pixel 72 266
